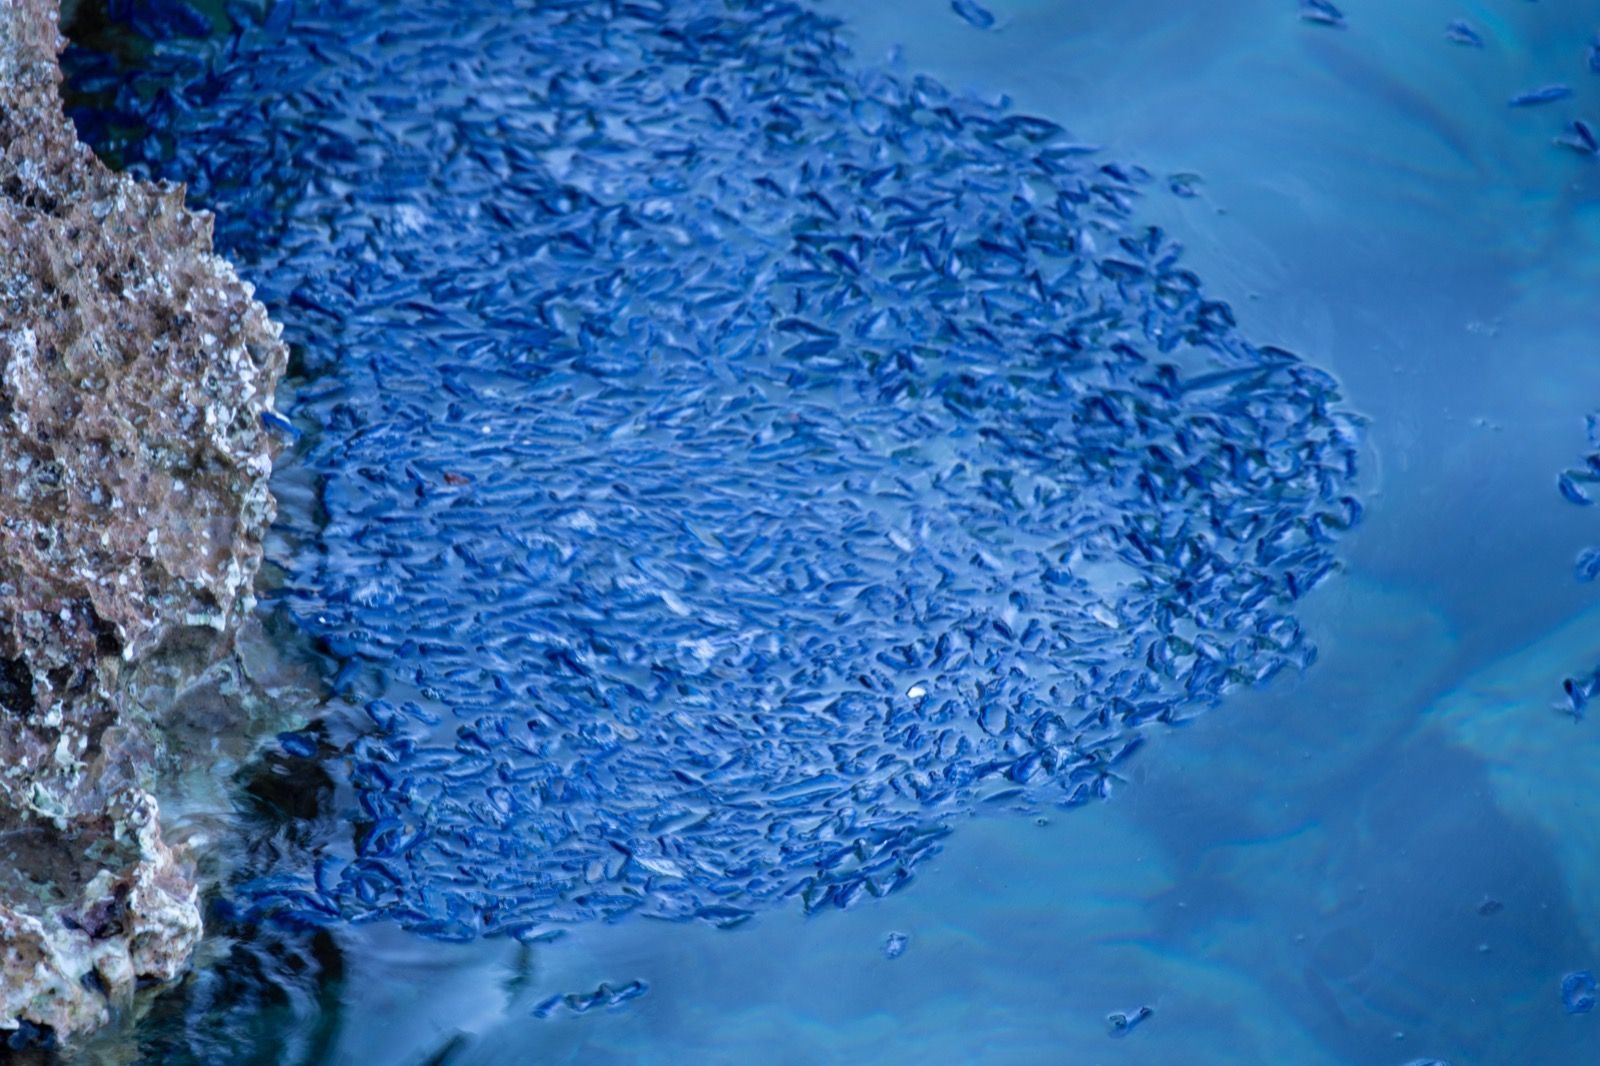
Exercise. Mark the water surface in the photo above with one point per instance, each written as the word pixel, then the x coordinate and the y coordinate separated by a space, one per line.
pixel 1386 858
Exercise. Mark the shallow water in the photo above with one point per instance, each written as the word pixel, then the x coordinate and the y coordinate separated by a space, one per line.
pixel 1301 875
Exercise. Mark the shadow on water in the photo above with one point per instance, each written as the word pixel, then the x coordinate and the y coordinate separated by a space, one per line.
pixel 1332 870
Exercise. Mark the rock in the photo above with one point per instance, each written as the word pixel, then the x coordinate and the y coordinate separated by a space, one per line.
pixel 135 369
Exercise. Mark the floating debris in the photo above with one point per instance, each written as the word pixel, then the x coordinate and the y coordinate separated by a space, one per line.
pixel 1490 906
pixel 1124 1022
pixel 894 945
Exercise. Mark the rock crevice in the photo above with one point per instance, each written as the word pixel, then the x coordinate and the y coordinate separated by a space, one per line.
pixel 135 367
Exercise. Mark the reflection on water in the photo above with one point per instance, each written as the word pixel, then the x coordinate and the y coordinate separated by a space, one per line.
pixel 1390 858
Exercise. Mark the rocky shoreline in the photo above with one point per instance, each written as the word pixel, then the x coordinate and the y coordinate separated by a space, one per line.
pixel 135 368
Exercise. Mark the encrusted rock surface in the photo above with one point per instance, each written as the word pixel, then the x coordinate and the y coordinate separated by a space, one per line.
pixel 134 370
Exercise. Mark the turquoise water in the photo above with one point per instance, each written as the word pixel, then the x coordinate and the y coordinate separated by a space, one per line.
pixel 1307 874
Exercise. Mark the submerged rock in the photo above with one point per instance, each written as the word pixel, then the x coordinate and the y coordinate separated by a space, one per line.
pixel 135 369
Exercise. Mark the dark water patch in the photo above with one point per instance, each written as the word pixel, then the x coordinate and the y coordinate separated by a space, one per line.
pixel 264 991
pixel 271 999
pixel 113 46
pixel 731 463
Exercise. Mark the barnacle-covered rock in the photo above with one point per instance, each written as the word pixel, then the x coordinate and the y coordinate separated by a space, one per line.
pixel 134 370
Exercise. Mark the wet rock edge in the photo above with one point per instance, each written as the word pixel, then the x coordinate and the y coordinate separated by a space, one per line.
pixel 135 367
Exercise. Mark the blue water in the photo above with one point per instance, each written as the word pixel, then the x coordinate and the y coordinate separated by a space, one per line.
pixel 1384 858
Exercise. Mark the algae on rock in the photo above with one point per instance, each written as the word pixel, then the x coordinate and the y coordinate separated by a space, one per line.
pixel 134 370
